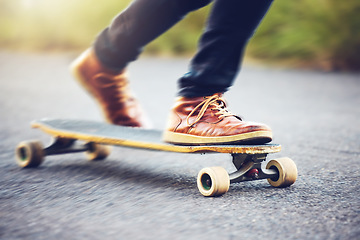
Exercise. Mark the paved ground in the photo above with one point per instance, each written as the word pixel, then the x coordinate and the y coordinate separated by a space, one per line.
pixel 138 194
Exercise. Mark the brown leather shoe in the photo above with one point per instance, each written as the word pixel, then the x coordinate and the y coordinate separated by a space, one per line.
pixel 206 120
pixel 111 90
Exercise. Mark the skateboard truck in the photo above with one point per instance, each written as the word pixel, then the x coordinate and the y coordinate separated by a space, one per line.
pixel 215 181
pixel 249 168
pixel 93 150
pixel 30 154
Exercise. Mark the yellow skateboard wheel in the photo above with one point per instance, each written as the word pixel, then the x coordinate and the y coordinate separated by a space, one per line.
pixel 97 151
pixel 213 181
pixel 29 154
pixel 287 172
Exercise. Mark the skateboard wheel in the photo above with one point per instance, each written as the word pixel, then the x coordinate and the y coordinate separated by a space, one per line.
pixel 29 154
pixel 213 181
pixel 97 152
pixel 287 172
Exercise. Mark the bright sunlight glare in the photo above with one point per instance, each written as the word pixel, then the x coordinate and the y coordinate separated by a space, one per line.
pixel 27 3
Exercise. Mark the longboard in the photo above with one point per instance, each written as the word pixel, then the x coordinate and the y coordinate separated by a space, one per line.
pixel 95 136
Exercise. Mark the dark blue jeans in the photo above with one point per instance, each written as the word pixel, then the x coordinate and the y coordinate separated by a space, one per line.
pixel 214 67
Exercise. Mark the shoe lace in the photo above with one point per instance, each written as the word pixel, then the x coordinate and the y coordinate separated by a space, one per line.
pixel 218 106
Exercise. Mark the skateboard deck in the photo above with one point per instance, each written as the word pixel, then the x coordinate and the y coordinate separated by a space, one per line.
pixel 135 137
pixel 96 135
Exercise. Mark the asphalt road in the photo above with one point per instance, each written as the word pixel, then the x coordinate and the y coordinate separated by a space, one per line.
pixel 138 194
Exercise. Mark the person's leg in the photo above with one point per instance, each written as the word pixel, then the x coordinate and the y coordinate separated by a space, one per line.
pixel 199 115
pixel 216 64
pixel 100 69
pixel 139 24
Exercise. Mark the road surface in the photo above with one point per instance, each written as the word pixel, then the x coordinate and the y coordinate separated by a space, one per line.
pixel 138 194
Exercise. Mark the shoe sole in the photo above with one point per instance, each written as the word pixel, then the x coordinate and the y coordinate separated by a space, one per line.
pixel 257 137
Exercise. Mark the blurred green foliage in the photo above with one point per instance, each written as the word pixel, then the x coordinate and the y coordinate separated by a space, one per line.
pixel 323 34
pixel 319 33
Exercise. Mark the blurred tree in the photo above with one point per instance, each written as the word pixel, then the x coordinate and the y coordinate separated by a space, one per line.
pixel 322 33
